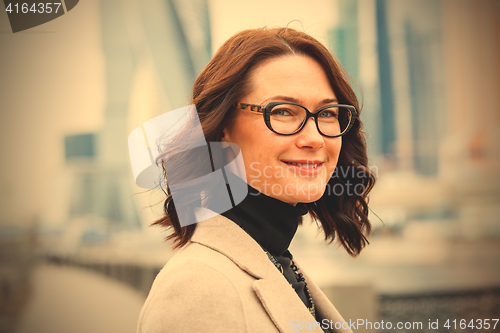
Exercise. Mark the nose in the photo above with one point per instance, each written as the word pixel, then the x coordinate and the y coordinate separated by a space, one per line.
pixel 309 137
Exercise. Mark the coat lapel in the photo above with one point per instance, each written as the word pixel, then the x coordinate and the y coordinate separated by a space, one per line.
pixel 272 289
pixel 325 308
pixel 281 303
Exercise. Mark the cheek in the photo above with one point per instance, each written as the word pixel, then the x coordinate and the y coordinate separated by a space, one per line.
pixel 258 145
pixel 334 148
pixel 333 155
pixel 255 159
pixel 252 153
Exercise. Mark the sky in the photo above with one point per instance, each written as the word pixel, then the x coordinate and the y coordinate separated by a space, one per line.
pixel 313 17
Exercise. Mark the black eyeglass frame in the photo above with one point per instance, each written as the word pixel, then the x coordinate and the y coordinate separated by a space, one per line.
pixel 266 111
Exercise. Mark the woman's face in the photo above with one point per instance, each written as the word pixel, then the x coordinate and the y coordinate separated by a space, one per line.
pixel 294 168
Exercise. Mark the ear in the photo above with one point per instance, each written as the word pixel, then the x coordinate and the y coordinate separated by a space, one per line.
pixel 225 138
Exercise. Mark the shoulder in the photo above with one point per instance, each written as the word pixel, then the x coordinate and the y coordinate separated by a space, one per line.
pixel 198 290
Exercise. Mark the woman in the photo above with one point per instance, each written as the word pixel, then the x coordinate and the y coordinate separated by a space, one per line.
pixel 281 97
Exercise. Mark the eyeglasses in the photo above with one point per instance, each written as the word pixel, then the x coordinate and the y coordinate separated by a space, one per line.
pixel 288 118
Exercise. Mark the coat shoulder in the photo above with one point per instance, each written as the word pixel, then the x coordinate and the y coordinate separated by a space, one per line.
pixel 198 290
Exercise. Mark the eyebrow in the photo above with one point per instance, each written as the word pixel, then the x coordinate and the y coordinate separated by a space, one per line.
pixel 294 100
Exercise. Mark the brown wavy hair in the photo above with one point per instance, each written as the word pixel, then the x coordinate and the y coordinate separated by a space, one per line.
pixel 225 81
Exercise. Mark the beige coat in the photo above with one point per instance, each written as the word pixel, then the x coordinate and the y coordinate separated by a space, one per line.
pixel 223 281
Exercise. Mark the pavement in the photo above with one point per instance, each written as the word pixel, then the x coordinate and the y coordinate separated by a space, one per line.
pixel 67 299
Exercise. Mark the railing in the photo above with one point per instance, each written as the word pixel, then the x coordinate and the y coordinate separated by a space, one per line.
pixel 424 308
pixel 452 310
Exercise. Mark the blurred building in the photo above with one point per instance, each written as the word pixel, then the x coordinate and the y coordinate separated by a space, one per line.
pixel 428 73
pixel 172 38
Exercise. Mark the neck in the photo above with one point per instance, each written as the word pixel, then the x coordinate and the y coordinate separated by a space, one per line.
pixel 270 222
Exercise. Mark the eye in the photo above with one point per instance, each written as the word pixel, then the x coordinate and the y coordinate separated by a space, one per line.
pixel 328 114
pixel 281 112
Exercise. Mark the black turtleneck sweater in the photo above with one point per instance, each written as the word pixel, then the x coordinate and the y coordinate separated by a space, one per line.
pixel 271 223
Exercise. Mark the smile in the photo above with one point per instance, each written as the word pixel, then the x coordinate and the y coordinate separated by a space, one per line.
pixel 305 167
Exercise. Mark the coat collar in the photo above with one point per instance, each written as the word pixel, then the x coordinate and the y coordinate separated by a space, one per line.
pixel 226 237
pixel 277 297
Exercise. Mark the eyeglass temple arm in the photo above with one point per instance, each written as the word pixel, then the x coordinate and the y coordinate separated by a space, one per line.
pixel 251 107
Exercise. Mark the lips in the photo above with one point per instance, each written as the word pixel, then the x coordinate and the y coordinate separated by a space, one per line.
pixel 305 166
pixel 303 163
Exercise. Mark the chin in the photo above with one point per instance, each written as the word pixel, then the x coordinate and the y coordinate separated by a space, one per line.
pixel 305 193
pixel 309 198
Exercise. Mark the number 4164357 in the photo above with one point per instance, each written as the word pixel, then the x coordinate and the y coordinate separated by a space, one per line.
pixel 474 324
pixel 39 8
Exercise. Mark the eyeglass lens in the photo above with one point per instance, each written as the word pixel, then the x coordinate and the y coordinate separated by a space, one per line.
pixel 287 119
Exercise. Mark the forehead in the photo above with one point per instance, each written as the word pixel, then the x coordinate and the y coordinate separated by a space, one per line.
pixel 297 76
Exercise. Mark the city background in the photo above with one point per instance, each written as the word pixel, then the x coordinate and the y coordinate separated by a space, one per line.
pixel 77 250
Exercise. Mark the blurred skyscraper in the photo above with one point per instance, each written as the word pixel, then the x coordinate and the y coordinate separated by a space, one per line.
pixel 174 38
pixel 429 77
pixel 402 41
